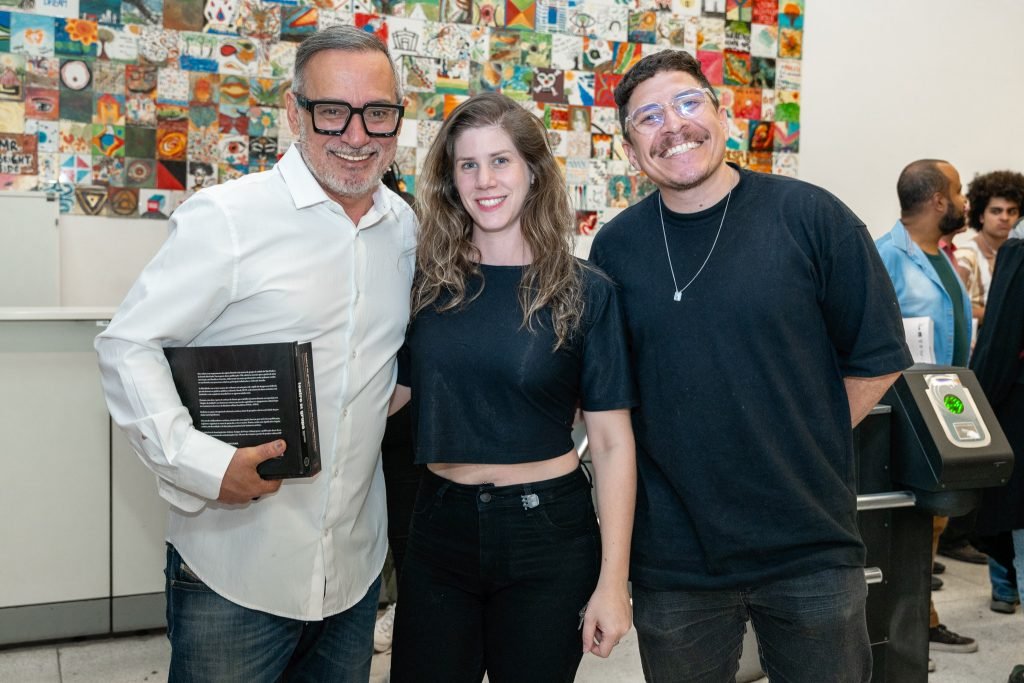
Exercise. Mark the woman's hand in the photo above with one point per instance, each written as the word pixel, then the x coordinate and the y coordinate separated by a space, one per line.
pixel 609 616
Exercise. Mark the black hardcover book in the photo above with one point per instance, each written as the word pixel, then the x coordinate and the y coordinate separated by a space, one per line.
pixel 250 394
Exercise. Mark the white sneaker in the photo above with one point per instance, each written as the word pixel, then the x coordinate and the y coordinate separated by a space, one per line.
pixel 384 630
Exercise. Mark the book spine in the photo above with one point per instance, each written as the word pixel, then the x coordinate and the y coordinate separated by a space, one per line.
pixel 307 408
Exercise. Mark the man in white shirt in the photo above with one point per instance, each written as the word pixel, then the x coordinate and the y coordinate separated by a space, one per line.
pixel 269 579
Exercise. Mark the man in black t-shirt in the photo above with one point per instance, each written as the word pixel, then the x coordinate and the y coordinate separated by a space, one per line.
pixel 927 286
pixel 762 327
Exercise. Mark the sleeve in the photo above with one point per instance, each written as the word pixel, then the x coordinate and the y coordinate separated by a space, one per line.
pixel 607 382
pixel 997 357
pixel 861 311
pixel 179 293
pixel 405 365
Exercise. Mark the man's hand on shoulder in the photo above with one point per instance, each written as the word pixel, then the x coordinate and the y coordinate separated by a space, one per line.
pixel 242 483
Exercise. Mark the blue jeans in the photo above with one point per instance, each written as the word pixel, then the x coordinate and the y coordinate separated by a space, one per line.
pixel 494 580
pixel 1002 588
pixel 809 629
pixel 213 639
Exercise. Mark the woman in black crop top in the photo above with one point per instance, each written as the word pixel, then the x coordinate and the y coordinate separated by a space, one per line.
pixel 506 569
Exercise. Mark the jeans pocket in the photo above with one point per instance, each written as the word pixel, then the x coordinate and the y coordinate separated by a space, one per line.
pixel 573 512
pixel 186 579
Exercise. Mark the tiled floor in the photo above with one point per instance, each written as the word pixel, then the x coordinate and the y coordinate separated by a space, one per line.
pixel 962 605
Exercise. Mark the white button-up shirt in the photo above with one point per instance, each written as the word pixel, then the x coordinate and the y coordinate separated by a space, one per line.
pixel 271 258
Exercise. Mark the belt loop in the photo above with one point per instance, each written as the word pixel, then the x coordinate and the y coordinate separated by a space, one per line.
pixel 587 474
pixel 439 494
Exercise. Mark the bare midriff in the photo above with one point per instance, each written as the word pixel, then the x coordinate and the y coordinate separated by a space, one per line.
pixel 505 475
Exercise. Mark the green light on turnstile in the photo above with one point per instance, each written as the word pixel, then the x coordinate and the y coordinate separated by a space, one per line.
pixel 953 404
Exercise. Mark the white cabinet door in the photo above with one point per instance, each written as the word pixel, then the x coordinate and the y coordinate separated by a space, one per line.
pixel 55 481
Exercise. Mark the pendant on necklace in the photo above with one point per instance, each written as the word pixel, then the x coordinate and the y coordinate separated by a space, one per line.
pixel 678 296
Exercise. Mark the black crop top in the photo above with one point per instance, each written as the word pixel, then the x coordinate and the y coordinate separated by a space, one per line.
pixel 485 389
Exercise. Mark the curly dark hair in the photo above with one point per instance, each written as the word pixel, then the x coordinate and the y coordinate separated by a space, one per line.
pixel 1008 185
pixel 650 66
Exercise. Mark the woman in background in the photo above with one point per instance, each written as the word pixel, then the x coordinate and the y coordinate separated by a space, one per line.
pixel 507 571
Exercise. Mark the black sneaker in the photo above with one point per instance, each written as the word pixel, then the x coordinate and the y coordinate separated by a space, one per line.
pixel 1017 675
pixel 938 568
pixel 936 583
pixel 941 639
pixel 965 553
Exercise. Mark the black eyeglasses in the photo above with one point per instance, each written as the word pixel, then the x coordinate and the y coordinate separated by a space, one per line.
pixel 331 117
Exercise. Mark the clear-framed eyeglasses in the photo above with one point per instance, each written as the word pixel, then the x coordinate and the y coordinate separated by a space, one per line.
pixel 649 118
pixel 332 117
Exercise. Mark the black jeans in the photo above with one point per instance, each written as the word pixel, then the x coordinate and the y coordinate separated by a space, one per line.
pixel 494 580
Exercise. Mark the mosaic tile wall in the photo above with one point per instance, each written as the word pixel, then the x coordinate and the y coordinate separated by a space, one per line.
pixel 124 107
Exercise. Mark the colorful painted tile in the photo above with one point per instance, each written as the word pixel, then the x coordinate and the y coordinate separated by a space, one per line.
pixel 138 12
pixel 76 74
pixel 233 119
pixel 171 144
pixel 736 68
pixel 712 64
pixel 76 37
pixel 520 14
pixel 42 72
pixel 109 109
pixel 171 175
pixel 76 168
pixel 140 110
pixel 643 27
pixel 761 136
pixel 18 154
pixel 267 92
pixel 791 43
pixel 31 35
pixel 739 10
pixel 108 170
pixel 762 72
pixel 765 12
pixel 123 202
pixel 101 11
pixel 549 85
pixel 238 55
pixel 298 22
pixel 140 172
pixel 200 174
pixel 791 14
pixel 262 154
pixel 108 77
pixel 199 51
pixel 787 105
pixel 12 77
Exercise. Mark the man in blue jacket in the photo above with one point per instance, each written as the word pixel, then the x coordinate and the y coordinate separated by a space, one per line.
pixel 932 205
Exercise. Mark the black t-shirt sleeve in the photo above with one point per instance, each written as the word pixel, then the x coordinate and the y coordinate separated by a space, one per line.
pixel 860 309
pixel 405 366
pixel 607 376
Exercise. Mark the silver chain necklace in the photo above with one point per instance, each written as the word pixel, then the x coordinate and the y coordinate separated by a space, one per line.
pixel 679 292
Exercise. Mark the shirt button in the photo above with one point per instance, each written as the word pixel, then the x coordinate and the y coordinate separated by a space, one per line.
pixel 344 413
pixel 485 497
pixel 353 354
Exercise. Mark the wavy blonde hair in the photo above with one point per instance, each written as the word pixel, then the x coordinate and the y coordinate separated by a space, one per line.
pixel 446 256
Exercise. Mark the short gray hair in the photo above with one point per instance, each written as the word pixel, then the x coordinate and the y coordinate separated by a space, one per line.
pixel 346 38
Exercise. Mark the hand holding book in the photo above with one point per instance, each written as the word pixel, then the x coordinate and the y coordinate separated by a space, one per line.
pixel 241 482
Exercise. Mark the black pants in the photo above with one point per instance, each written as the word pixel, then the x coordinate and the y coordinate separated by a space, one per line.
pixel 494 580
pixel 401 479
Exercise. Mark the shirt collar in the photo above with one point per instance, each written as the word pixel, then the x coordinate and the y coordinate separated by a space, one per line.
pixel 306 191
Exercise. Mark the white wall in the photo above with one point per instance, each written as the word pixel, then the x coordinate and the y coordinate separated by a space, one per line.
pixel 886 82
